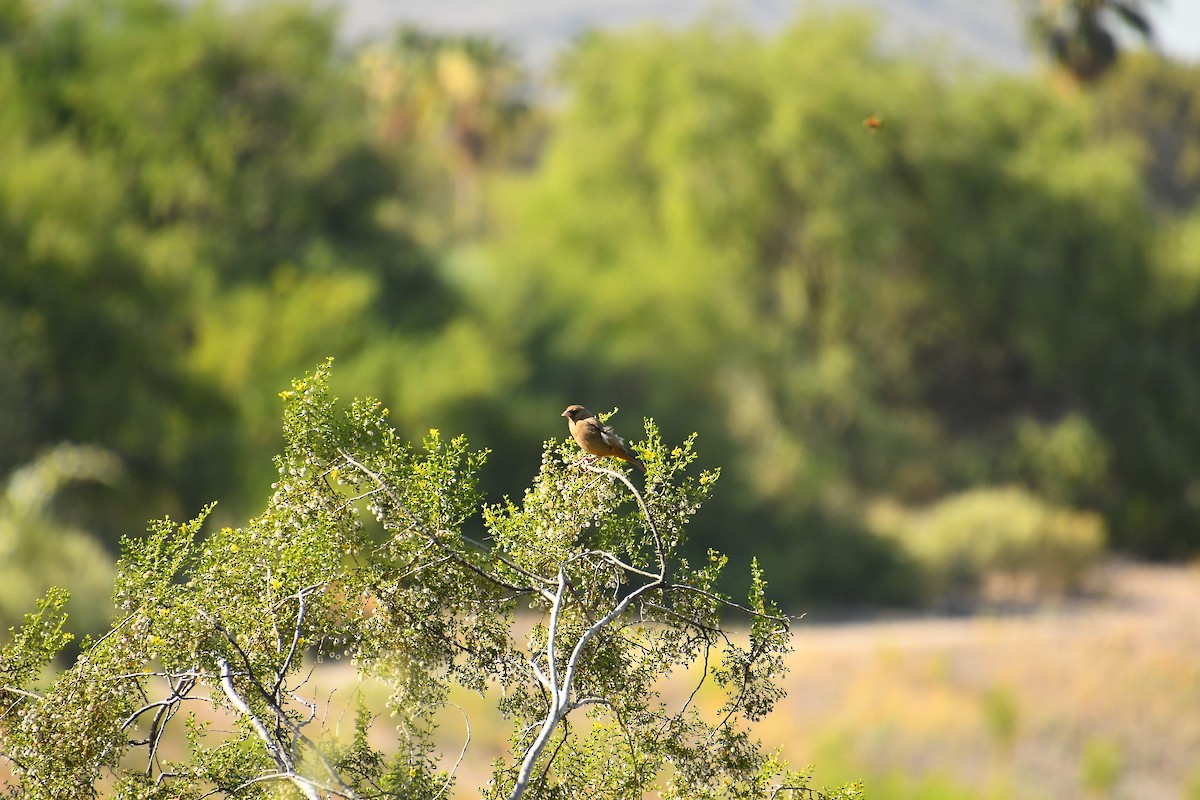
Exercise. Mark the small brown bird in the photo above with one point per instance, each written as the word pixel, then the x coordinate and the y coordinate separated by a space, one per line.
pixel 597 438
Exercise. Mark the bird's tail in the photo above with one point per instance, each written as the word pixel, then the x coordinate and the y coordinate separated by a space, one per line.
pixel 628 455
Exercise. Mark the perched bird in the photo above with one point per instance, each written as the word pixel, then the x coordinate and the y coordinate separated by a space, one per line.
pixel 597 438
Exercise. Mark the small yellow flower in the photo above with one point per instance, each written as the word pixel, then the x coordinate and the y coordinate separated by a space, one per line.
pixel 233 548
pixel 275 583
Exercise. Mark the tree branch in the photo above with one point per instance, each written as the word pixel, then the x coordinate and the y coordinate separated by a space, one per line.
pixel 432 537
pixel 560 694
pixel 658 542
pixel 278 755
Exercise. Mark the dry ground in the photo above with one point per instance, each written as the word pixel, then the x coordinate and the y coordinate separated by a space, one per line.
pixel 1089 699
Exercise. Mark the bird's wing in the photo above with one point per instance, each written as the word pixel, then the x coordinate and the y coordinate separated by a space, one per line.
pixel 611 438
pixel 597 431
pixel 592 427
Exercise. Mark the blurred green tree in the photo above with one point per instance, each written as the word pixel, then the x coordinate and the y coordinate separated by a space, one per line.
pixel 1155 101
pixel 39 548
pixel 192 199
pixel 852 311
pixel 465 95
pixel 993 283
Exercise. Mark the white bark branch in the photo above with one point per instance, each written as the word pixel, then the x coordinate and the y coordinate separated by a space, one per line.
pixel 560 690
pixel 281 758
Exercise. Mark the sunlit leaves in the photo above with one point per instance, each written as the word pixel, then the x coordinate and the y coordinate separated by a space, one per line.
pixel 38 640
pixel 361 554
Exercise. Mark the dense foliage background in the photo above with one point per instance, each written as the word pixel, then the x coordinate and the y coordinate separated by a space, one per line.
pixel 998 287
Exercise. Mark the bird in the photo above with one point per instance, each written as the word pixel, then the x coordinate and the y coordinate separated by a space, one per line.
pixel 597 438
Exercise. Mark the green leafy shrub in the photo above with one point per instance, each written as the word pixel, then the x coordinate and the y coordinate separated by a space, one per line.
pixel 39 549
pixel 361 555
pixel 1067 461
pixel 1005 541
pixel 1101 766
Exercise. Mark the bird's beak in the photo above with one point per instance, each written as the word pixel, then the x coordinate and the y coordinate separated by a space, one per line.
pixel 563 414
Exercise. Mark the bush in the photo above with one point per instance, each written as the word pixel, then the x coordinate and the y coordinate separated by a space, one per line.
pixel 1100 766
pixel 39 547
pixel 998 543
pixel 1067 461
pixel 361 555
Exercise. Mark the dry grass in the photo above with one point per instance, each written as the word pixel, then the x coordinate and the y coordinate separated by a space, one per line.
pixel 1022 706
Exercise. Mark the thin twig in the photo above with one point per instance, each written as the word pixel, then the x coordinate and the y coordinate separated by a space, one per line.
pixel 301 600
pixel 658 542
pixel 783 619
pixel 433 538
pixel 114 629
pixel 461 755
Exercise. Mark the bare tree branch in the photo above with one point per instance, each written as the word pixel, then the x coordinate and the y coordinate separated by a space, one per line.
pixel 461 755
pixel 560 703
pixel 281 758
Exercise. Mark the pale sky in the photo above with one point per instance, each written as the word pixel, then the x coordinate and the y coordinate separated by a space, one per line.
pixel 1177 25
pixel 987 30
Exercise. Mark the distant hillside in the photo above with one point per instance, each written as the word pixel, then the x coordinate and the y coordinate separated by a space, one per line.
pixel 989 32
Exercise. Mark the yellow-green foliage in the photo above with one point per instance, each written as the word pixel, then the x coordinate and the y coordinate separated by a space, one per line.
pixel 38 549
pixel 1100 766
pixel 197 202
pixel 362 555
pixel 996 533
pixel 1068 460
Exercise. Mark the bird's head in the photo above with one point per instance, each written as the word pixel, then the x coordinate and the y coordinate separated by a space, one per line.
pixel 576 412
